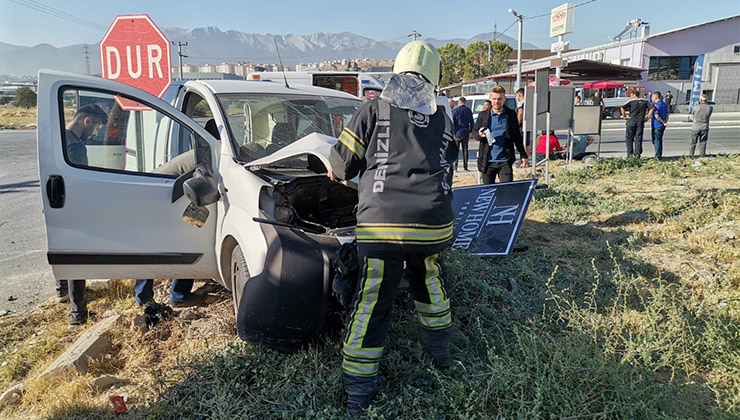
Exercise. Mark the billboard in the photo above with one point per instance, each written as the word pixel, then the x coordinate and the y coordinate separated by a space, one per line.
pixel 561 19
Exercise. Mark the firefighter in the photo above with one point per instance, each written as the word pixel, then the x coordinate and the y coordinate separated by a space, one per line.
pixel 403 149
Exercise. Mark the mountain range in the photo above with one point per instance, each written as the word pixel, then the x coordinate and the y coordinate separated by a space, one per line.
pixel 211 45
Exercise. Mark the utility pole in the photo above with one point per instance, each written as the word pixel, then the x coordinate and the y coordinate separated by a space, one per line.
pixel 414 35
pixel 179 53
pixel 86 53
pixel 519 18
pixel 495 31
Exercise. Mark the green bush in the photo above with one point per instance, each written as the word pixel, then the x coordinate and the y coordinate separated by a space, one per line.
pixel 25 98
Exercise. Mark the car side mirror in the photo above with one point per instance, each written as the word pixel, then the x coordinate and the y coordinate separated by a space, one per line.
pixel 201 189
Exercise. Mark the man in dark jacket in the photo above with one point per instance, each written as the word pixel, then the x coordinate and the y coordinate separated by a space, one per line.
pixel 462 117
pixel 403 150
pixel 498 132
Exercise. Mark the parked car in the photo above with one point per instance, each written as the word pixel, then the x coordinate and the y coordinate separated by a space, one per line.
pixel 241 197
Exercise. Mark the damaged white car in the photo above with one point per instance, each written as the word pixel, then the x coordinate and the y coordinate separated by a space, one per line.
pixel 221 179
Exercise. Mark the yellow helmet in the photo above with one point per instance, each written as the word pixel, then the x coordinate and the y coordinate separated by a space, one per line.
pixel 419 57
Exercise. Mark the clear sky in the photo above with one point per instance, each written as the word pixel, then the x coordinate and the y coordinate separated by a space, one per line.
pixel 66 22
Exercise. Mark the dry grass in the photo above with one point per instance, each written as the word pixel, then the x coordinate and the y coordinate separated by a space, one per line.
pixel 685 231
pixel 135 358
pixel 17 118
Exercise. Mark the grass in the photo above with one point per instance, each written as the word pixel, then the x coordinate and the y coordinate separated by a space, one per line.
pixel 627 306
pixel 12 117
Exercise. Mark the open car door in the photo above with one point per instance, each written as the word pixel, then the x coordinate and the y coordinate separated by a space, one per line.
pixel 112 182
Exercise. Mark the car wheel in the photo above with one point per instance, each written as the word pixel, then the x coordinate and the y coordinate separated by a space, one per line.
pixel 616 114
pixel 239 275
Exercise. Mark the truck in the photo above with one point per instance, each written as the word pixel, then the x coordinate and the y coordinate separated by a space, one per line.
pixel 355 83
pixel 612 105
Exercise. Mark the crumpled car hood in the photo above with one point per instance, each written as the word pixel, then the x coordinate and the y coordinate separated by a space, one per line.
pixel 315 144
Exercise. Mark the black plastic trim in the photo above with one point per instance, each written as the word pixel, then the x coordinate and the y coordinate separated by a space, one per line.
pixel 64 258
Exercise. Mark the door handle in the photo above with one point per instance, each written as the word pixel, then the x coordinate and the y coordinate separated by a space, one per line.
pixel 55 191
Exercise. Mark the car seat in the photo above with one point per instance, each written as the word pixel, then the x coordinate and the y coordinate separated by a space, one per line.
pixel 283 134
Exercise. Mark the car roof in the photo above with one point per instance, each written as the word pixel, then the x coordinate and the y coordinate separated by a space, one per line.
pixel 264 87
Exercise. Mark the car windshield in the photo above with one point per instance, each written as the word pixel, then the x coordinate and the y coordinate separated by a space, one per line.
pixel 261 124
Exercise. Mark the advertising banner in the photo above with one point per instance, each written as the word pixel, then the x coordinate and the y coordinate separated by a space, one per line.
pixel 488 217
pixel 696 83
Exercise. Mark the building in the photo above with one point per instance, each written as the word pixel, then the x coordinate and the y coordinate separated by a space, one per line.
pixel 659 62
pixel 667 58
pixel 207 68
pixel 225 68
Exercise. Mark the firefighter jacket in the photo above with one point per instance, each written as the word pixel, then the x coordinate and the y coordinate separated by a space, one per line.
pixel 405 163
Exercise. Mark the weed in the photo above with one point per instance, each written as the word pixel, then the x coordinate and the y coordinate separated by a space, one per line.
pixel 633 313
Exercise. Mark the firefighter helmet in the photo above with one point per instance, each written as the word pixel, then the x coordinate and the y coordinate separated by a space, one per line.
pixel 419 57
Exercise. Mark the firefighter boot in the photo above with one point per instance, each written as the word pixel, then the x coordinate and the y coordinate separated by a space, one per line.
pixel 360 391
pixel 436 344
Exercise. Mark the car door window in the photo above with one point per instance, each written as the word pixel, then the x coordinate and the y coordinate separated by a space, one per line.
pixel 100 132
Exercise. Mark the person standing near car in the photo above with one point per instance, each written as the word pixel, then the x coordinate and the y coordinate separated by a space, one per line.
pixel 638 108
pixel 85 124
pixel 180 291
pixel 498 132
pixel 700 126
pixel 659 119
pixel 462 117
pixel 403 149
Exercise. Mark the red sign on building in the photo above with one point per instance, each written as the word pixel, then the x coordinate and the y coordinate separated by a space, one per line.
pixel 135 52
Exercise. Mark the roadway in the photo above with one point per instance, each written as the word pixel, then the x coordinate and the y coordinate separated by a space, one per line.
pixel 26 278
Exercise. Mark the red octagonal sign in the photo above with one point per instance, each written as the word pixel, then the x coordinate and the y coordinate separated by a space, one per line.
pixel 135 52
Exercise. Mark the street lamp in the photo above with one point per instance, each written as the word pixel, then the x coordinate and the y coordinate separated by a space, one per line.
pixel 519 49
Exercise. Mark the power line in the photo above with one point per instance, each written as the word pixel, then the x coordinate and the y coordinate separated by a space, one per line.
pixel 573 7
pixel 31 4
pixel 504 31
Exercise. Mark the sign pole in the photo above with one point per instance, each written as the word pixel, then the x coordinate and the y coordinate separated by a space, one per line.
pixel 547 151
pixel 560 62
pixel 534 136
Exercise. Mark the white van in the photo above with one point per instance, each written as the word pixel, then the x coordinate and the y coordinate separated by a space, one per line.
pixel 475 103
pixel 242 198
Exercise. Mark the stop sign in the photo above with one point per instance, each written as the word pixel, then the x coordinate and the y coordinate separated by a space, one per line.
pixel 135 52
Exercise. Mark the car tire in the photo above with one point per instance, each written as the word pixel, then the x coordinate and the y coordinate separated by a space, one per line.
pixel 239 275
pixel 616 114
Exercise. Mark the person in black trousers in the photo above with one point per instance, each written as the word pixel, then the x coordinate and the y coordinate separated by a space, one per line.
pixel 638 108
pixel 496 152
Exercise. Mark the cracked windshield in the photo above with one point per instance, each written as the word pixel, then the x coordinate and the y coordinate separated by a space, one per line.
pixel 260 125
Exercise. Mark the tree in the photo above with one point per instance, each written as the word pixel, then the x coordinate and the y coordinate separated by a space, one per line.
pixel 25 98
pixel 500 56
pixel 453 61
pixel 476 58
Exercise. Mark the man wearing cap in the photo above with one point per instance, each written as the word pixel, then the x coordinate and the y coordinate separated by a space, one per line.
pixel 402 147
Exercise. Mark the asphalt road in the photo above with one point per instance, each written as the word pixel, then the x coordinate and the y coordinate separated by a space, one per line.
pixel 26 278
pixel 724 138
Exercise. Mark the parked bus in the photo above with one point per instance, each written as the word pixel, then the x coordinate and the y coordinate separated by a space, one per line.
pixel 355 83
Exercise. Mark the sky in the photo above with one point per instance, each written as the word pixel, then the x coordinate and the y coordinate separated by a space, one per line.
pixel 63 22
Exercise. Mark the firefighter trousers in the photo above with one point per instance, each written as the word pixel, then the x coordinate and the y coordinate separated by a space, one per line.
pixel 370 314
